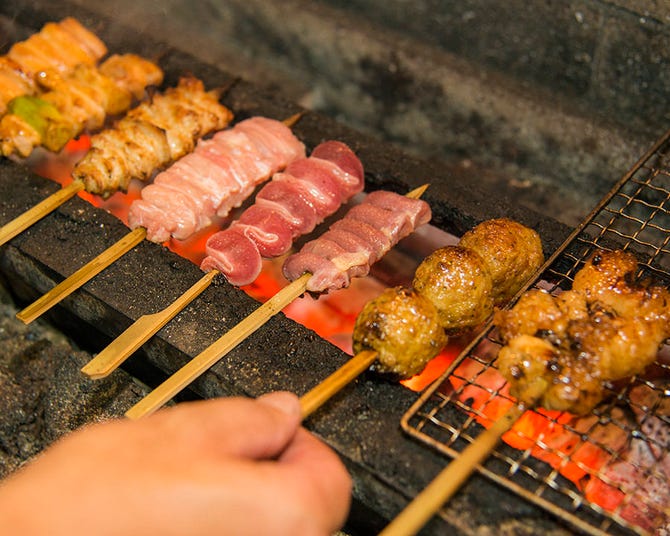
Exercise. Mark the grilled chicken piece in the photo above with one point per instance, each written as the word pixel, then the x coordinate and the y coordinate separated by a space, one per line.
pixel 559 351
pixel 151 136
pixel 57 47
pixel 458 283
pixel 512 253
pixel 403 328
pixel 80 101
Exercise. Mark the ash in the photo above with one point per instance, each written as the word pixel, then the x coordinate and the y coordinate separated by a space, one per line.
pixel 43 394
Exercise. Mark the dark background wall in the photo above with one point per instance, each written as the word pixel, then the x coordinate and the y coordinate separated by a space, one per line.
pixel 549 102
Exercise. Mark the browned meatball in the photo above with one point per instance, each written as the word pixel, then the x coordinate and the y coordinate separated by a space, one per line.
pixel 403 328
pixel 512 252
pixel 543 374
pixel 456 280
pixel 539 313
pixel 560 350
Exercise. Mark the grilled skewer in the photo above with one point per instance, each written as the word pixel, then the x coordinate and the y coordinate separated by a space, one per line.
pixel 148 138
pixel 255 175
pixel 199 364
pixel 239 259
pixel 607 281
pixel 57 48
pixel 400 331
pixel 76 102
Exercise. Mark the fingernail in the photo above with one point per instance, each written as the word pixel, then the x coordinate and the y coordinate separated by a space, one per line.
pixel 284 401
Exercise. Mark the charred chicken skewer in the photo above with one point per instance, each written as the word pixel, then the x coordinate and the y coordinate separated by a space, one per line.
pixel 145 140
pixel 558 352
pixel 58 47
pixel 78 101
pixel 213 179
pixel 324 264
pixel 291 205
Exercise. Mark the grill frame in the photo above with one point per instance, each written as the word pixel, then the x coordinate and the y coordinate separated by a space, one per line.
pixel 633 215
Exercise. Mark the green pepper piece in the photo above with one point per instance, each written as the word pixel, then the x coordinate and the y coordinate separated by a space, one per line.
pixel 44 117
pixel 34 111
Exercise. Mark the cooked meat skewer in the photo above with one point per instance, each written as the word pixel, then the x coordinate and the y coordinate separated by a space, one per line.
pixel 609 326
pixel 559 351
pixel 147 139
pixel 332 173
pixel 76 102
pixel 57 48
pixel 328 278
pixel 456 282
pixel 214 178
pixel 401 330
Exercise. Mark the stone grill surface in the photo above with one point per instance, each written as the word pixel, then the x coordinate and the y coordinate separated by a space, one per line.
pixel 361 424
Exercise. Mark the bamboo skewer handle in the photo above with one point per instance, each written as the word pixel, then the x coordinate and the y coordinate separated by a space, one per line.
pixel 81 276
pixel 208 357
pixel 314 399
pixel 141 331
pixel 199 364
pixel 36 213
pixel 443 487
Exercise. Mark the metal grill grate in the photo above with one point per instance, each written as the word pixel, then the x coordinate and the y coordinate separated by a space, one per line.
pixel 603 473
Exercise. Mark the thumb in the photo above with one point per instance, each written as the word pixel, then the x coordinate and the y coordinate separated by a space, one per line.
pixel 257 429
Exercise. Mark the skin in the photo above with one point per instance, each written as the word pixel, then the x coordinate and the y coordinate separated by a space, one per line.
pixel 224 466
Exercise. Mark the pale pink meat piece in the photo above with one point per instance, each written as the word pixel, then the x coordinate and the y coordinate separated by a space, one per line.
pixel 216 177
pixel 324 273
pixel 324 189
pixel 226 249
pixel 344 256
pixel 292 204
pixel 374 239
pixel 267 228
pixel 417 213
pixel 288 195
pixel 343 157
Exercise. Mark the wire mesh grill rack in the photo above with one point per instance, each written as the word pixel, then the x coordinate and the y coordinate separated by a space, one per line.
pixel 605 473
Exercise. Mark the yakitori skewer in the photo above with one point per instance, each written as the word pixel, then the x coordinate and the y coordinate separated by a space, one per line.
pixel 400 331
pixel 291 205
pixel 80 100
pixel 607 327
pixel 146 139
pixel 221 173
pixel 331 266
pixel 57 48
pixel 454 290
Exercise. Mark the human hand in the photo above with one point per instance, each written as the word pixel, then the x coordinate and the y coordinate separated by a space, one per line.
pixel 221 466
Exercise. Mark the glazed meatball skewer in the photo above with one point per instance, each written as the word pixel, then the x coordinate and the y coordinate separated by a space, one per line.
pixel 454 289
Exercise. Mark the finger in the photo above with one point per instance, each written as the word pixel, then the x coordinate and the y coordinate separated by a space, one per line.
pixel 256 429
pixel 319 475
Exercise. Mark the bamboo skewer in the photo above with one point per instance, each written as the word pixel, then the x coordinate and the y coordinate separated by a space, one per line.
pixel 333 384
pixel 449 481
pixel 141 331
pixel 81 276
pixel 199 364
pixel 39 211
pixel 97 265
